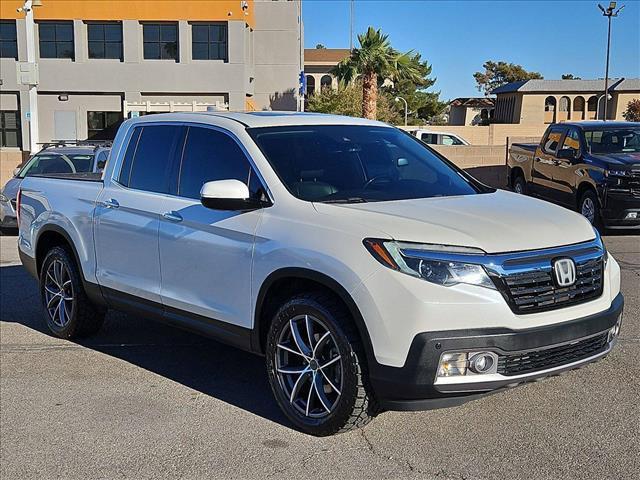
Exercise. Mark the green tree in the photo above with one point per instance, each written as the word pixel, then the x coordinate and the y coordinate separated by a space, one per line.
pixel 632 113
pixel 497 74
pixel 422 105
pixel 320 46
pixel 570 76
pixel 347 100
pixel 375 61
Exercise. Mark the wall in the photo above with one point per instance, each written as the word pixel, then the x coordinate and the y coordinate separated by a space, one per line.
pixel 495 134
pixel 621 102
pixel 487 163
pixel 9 160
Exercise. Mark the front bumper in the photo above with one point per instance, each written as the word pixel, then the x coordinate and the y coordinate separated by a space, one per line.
pixel 414 386
pixel 618 207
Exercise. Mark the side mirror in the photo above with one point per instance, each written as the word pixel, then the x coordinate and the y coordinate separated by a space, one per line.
pixel 228 195
pixel 16 171
pixel 567 153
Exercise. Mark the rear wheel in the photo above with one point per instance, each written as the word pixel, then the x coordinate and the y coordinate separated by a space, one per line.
pixel 519 185
pixel 69 312
pixel 316 366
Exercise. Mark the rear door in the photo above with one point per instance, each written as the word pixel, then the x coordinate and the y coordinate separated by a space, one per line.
pixel 544 163
pixel 128 213
pixel 206 254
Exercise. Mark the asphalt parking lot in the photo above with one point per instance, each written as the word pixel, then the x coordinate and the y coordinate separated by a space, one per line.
pixel 143 400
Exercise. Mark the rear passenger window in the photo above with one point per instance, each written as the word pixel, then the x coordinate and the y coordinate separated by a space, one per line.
pixel 152 157
pixel 430 138
pixel 212 155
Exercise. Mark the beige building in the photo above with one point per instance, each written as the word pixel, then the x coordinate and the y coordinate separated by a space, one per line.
pixel 549 101
pixel 318 63
pixel 471 111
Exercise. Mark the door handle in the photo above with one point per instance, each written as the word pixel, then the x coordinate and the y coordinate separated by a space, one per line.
pixel 111 203
pixel 172 216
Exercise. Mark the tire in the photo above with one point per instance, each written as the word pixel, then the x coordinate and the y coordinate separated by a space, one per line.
pixel 589 208
pixel 519 185
pixel 347 402
pixel 68 311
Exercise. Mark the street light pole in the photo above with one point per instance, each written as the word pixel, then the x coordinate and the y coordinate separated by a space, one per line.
pixel 406 109
pixel 608 12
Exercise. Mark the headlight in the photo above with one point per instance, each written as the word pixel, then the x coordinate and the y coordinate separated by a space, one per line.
pixel 420 260
pixel 617 173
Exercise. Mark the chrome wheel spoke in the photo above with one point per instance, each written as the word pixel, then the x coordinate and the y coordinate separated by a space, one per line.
pixel 292 371
pixel 335 389
pixel 321 342
pixel 313 381
pixel 330 362
pixel 297 338
pixel 309 325
pixel 291 350
pixel 296 386
pixel 58 293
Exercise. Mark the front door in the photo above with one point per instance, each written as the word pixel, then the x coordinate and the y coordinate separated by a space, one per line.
pixel 544 163
pixel 565 175
pixel 128 213
pixel 206 254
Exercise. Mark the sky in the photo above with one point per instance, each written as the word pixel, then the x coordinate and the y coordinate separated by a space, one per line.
pixel 456 37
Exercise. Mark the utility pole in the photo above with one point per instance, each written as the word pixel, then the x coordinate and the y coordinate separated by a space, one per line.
pixel 608 12
pixel 30 28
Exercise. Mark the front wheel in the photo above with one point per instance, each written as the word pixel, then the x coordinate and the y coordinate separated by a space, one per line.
pixel 316 366
pixel 588 207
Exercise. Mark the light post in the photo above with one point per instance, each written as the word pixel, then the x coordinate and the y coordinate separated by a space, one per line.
pixel 406 109
pixel 608 12
pixel 598 104
pixel 30 28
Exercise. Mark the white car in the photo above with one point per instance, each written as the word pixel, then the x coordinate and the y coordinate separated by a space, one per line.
pixel 431 137
pixel 370 272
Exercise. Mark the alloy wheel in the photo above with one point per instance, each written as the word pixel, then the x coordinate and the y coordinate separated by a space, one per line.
pixel 309 366
pixel 588 209
pixel 58 293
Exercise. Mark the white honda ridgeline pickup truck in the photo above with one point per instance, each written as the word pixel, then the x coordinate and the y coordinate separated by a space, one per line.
pixel 370 272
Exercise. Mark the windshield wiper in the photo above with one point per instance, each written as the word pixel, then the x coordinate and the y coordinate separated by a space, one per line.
pixel 346 200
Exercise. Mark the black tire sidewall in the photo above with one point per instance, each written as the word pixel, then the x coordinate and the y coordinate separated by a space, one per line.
pixel 70 329
pixel 520 180
pixel 336 419
pixel 594 198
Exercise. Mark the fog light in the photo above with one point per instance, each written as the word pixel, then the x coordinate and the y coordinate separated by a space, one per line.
pixel 615 330
pixel 453 364
pixel 631 215
pixel 482 362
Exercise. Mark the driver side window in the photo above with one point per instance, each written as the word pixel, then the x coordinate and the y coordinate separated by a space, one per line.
pixel 572 140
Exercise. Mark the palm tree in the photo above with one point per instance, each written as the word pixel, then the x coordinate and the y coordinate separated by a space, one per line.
pixel 375 60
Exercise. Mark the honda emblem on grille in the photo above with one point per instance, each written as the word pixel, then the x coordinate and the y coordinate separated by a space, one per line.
pixel 565 272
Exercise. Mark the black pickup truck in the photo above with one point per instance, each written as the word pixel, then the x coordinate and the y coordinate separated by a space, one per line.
pixel 591 167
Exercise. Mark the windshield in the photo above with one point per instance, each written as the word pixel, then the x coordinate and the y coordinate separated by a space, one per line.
pixel 49 162
pixel 619 140
pixel 347 163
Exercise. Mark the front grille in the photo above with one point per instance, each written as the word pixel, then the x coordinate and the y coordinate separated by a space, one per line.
pixel 536 360
pixel 535 290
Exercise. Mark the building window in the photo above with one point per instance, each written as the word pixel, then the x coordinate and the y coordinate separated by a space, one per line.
pixel 10 129
pixel 565 104
pixel 160 41
pixel 105 40
pixel 56 39
pixel 100 124
pixel 209 41
pixel 311 85
pixel 325 82
pixel 8 39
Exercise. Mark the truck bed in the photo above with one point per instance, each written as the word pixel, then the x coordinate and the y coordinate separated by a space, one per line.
pixel 525 146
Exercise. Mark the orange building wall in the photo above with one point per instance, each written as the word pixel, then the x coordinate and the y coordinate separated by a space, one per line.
pixel 157 10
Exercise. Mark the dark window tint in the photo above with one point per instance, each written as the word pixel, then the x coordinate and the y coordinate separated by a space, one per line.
pixel 103 124
pixel 153 159
pixel 347 163
pixel 49 163
pixel 430 138
pixel 8 39
pixel 572 140
pixel 125 171
pixel 551 142
pixel 105 40
pixel 10 129
pixel 56 39
pixel 212 155
pixel 209 41
pixel 160 41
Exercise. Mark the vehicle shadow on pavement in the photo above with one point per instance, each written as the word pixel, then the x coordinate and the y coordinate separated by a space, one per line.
pixel 228 374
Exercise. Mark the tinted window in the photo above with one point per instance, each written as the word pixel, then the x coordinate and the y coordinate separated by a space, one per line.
pixel 449 140
pixel 430 138
pixel 56 39
pixel 8 39
pixel 209 41
pixel 105 40
pixel 153 157
pixel 125 171
pixel 615 140
pixel 10 135
pixel 211 155
pixel 572 140
pixel 160 41
pixel 551 142
pixel 343 163
pixel 49 163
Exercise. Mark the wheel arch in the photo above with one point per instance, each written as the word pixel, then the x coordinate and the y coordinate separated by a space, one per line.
pixel 278 286
pixel 584 186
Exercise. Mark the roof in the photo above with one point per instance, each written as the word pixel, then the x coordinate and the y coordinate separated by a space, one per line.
pixel 601 123
pixel 325 55
pixel 259 119
pixel 476 102
pixel 543 86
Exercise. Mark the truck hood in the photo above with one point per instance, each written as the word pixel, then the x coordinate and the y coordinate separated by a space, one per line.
pixel 494 222
pixel 626 159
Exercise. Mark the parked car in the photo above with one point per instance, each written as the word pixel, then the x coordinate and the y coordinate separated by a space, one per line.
pixel 61 157
pixel 591 167
pixel 370 272
pixel 439 138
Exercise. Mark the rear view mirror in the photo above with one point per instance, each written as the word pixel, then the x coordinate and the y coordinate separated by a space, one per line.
pixel 228 195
